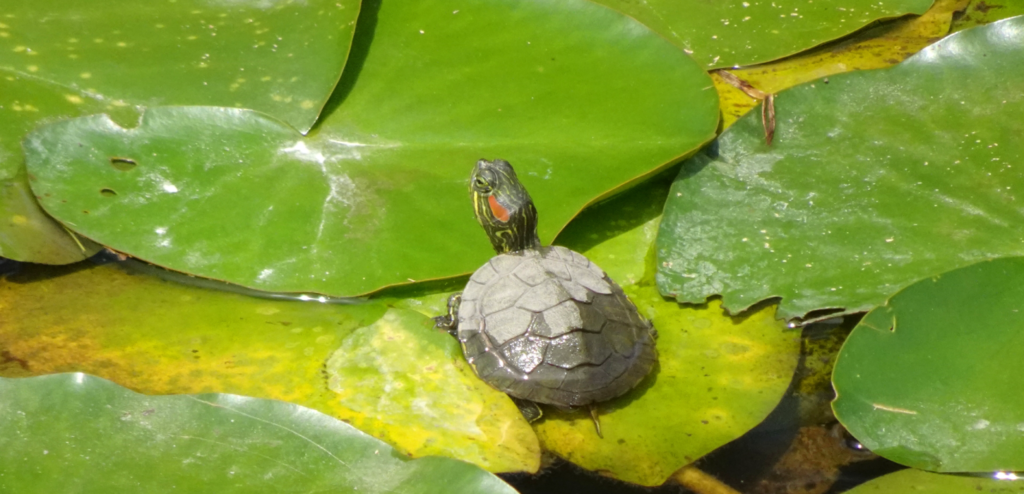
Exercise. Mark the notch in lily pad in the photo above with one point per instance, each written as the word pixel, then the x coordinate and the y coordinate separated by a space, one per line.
pixel 123 164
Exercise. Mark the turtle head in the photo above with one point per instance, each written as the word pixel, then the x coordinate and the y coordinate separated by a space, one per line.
pixel 503 207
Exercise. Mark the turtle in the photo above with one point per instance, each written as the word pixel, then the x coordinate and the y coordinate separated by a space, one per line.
pixel 543 324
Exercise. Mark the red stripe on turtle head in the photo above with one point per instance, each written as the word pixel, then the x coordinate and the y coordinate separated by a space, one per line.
pixel 498 210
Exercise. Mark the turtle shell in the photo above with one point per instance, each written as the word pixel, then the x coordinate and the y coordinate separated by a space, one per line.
pixel 549 326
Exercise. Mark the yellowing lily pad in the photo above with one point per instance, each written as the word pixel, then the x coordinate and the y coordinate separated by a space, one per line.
pixel 406 382
pixel 159 337
pixel 717 378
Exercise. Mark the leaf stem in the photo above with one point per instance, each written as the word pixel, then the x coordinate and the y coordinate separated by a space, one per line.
pixel 697 481
pixel 75 238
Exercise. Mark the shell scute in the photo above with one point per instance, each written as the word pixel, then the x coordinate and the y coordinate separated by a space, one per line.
pixel 530 272
pixel 543 296
pixel 585 378
pixel 590 280
pixel 473 292
pixel 562 319
pixel 473 343
pixel 581 260
pixel 592 317
pixel 556 267
pixel 538 326
pixel 468 305
pixel 557 252
pixel 507 324
pixel 621 338
pixel 504 264
pixel 577 291
pixel 501 294
pixel 485 364
pixel 471 323
pixel 615 366
pixel 548 375
pixel 502 378
pixel 526 353
pixel 484 274
pixel 576 349
pixel 619 312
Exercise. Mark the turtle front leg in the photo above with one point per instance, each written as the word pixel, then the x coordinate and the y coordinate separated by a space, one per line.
pixel 450 321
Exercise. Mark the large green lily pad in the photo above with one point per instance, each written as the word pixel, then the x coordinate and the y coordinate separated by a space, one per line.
pixel 159 337
pixel 279 57
pixel 930 378
pixel 875 179
pixel 911 481
pixel 205 443
pixel 580 99
pixel 728 33
pixel 27 233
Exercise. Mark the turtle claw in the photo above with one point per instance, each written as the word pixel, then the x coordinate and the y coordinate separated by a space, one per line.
pixel 443 322
pixel 450 321
pixel 596 419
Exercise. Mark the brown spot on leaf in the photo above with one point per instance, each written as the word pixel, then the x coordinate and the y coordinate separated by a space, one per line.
pixel 6 356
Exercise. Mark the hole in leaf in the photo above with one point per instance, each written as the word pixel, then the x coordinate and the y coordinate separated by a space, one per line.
pixel 108 192
pixel 123 164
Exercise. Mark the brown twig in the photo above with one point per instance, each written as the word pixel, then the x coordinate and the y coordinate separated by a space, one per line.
pixel 768 118
pixel 767 102
pixel 742 85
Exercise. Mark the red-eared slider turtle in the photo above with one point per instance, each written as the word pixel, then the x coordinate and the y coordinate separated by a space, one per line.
pixel 543 324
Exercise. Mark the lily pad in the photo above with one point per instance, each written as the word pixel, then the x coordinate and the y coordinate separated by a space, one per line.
pixel 731 33
pixel 917 482
pixel 159 337
pixel 404 381
pixel 279 57
pixel 929 379
pixel 875 179
pixel 580 99
pixel 717 377
pixel 876 47
pixel 212 442
pixel 28 234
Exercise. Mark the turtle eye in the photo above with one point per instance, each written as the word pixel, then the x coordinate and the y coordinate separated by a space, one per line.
pixel 481 184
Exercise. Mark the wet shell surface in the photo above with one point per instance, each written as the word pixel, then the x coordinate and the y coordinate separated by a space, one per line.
pixel 549 326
